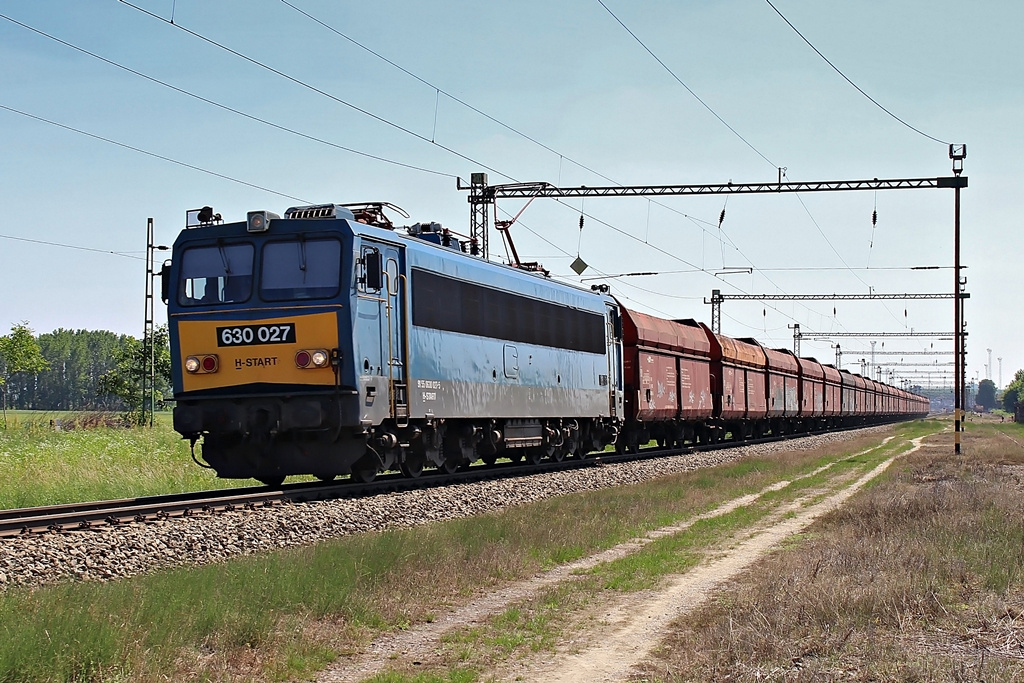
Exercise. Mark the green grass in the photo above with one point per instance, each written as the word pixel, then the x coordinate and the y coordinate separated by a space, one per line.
pixel 286 614
pixel 42 466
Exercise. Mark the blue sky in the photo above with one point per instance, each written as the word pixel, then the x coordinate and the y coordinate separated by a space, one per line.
pixel 569 76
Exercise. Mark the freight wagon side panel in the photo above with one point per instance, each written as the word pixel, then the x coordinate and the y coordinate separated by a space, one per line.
pixel 695 388
pixel 833 391
pixel 658 393
pixel 757 402
pixel 812 388
pixel 734 405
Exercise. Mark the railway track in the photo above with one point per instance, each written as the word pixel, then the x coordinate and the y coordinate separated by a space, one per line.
pixel 102 514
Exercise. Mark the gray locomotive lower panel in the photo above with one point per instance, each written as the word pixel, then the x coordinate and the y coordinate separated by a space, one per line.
pixel 435 398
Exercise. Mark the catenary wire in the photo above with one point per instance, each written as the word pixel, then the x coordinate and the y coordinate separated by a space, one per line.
pixel 438 89
pixel 365 112
pixel 317 90
pixel 302 83
pixel 847 79
pixel 706 106
pixel 394 125
pixel 72 246
pixel 225 107
pixel 688 89
pixel 151 154
pixel 134 72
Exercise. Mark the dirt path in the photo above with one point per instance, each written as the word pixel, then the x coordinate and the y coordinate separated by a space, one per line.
pixel 637 623
pixel 632 626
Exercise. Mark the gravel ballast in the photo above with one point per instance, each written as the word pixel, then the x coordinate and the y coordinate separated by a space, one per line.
pixel 111 552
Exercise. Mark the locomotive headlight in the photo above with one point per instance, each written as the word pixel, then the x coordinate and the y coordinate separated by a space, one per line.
pixel 312 358
pixel 202 364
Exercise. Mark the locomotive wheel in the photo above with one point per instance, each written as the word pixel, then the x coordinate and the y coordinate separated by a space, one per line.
pixel 489 460
pixel 412 467
pixel 534 455
pixel 326 477
pixel 364 473
pixel 557 454
pixel 271 481
pixel 449 466
pixel 515 457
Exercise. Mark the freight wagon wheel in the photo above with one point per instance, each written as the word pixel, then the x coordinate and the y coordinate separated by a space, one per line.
pixel 273 482
pixel 489 460
pixel 515 457
pixel 326 477
pixel 534 455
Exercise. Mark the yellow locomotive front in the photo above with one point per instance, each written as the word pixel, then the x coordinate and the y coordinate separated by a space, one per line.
pixel 260 326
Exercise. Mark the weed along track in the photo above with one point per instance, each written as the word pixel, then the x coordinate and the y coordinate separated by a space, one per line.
pixel 620 598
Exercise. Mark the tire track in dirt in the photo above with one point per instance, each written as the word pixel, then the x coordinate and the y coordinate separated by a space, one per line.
pixel 637 622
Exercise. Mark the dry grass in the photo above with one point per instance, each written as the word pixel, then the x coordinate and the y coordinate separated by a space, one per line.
pixel 919 578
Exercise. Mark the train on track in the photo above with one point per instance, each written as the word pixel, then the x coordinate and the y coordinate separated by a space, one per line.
pixel 329 342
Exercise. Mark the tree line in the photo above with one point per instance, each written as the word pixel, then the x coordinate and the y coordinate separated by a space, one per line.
pixel 78 369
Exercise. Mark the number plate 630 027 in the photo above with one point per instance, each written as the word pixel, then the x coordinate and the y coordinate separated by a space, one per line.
pixel 251 335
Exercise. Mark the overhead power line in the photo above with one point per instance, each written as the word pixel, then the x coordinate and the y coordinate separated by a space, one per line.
pixel 219 105
pixel 72 246
pixel 313 88
pixel 151 154
pixel 847 78
pixel 377 117
pixel 363 111
pixel 680 82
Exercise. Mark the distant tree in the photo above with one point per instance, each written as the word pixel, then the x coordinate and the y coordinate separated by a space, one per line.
pixel 986 394
pixel 1010 399
pixel 78 358
pixel 131 362
pixel 1013 392
pixel 19 353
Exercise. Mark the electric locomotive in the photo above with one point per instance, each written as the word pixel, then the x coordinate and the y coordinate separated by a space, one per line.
pixel 328 342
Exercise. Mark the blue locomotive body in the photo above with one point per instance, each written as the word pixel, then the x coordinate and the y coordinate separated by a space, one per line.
pixel 392 350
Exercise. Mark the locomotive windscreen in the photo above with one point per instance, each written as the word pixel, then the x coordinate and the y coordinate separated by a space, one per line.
pixel 443 303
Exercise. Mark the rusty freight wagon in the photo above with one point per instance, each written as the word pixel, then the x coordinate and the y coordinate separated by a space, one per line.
pixel 666 375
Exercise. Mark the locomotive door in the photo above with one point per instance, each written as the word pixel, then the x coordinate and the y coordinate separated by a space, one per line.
pixel 614 377
pixel 384 282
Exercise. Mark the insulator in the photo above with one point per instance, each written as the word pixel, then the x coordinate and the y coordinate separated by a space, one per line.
pixel 721 218
pixel 874 217
pixel 581 221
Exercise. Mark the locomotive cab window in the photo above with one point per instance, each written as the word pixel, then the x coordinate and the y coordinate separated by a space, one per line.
pixel 216 274
pixel 301 269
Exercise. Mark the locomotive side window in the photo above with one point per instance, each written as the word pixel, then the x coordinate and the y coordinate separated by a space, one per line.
pixel 216 274
pixel 300 269
pixel 443 303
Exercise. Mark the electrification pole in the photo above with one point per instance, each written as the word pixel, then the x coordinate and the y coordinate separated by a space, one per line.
pixel 957 153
